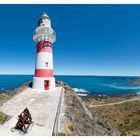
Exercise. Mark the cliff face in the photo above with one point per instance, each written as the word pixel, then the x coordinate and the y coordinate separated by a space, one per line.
pixel 80 121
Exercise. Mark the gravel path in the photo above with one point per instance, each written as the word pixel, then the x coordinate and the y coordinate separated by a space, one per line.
pixel 116 103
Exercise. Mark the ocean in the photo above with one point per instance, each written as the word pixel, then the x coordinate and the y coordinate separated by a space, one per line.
pixel 85 85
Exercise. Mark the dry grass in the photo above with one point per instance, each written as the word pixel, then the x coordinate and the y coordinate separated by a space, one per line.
pixel 4 97
pixel 60 134
pixel 69 129
pixel 125 116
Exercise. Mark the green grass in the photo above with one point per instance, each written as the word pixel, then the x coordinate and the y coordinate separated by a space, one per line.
pixel 137 112
pixel 3 117
pixel 132 126
pixel 60 134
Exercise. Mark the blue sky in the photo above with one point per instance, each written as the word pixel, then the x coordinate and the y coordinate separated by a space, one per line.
pixel 91 39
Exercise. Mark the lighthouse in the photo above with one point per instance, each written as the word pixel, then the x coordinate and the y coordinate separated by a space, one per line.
pixel 44 36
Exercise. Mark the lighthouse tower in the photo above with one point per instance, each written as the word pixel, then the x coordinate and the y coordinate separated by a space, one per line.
pixel 44 36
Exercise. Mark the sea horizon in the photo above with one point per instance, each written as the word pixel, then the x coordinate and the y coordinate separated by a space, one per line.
pixel 82 84
pixel 82 75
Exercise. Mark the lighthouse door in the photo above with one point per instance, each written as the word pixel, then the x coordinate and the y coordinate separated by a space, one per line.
pixel 46 84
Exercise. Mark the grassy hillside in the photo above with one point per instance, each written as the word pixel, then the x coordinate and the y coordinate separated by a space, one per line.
pixel 125 116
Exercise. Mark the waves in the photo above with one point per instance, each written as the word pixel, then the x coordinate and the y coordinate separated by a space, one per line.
pixel 84 85
pixel 80 91
pixel 110 89
pixel 122 87
pixel 2 89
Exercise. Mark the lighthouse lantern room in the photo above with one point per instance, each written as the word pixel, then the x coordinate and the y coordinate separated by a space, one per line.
pixel 44 36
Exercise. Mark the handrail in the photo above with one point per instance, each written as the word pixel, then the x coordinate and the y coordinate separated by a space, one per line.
pixel 55 126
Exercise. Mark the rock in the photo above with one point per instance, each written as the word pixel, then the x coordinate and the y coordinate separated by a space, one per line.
pixel 79 120
pixel 135 81
pixel 5 96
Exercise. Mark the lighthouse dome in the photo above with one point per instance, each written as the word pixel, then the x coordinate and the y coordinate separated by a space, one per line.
pixel 44 20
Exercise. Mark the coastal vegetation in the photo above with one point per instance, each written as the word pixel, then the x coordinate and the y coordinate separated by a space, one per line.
pixel 81 118
pixel 3 117
pixel 124 116
pixel 80 121
pixel 5 96
pixel 60 134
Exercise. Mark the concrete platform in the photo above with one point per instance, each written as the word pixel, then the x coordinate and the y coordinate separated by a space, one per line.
pixel 42 106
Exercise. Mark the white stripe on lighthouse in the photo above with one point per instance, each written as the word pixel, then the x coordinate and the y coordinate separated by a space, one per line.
pixel 44 60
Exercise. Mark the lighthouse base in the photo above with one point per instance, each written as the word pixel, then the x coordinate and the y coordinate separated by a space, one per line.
pixel 44 84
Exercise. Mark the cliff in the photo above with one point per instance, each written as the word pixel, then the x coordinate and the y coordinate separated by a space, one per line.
pixel 78 120
pixel 75 118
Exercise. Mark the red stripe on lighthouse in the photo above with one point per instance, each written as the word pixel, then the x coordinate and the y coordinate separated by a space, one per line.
pixel 43 73
pixel 44 46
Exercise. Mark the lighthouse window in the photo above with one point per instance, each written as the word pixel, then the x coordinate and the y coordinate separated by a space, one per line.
pixel 46 64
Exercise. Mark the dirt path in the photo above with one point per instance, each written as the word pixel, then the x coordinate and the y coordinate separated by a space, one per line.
pixel 116 103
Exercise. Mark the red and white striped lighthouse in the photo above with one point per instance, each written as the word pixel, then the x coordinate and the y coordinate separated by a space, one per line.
pixel 44 36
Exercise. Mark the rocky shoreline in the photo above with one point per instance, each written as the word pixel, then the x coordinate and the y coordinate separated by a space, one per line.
pixel 79 120
pixel 136 81
pixel 77 106
pixel 5 96
pixel 98 99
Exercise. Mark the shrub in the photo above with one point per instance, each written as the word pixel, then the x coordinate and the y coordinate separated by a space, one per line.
pixel 71 127
pixel 3 117
pixel 60 134
pixel 126 121
pixel 134 125
pixel 137 112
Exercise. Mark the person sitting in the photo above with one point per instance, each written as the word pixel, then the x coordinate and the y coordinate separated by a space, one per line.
pixel 23 118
